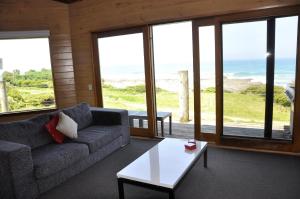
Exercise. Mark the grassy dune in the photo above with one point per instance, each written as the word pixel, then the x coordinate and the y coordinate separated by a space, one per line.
pixel 238 107
pixel 29 98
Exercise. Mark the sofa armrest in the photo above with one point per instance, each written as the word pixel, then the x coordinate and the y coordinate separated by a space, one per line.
pixel 107 117
pixel 104 116
pixel 16 171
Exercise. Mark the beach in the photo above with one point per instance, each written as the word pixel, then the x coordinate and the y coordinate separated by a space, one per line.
pixel 238 74
pixel 171 83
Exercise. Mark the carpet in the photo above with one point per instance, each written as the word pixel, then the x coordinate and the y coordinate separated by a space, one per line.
pixel 231 174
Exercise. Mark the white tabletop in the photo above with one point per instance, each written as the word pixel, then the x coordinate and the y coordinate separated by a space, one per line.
pixel 164 164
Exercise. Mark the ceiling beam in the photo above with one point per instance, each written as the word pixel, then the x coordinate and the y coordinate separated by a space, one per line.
pixel 67 1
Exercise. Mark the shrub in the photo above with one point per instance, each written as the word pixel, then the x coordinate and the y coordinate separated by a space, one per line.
pixel 135 89
pixel 255 89
pixel 210 90
pixel 20 100
pixel 160 90
pixel 15 99
pixel 281 98
pixel 279 93
pixel 107 86
pixel 40 100
pixel 31 78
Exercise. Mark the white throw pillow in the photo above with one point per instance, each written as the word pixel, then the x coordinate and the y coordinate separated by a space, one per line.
pixel 67 126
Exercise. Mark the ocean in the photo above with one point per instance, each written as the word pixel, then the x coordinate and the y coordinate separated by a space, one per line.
pixel 256 70
pixel 233 69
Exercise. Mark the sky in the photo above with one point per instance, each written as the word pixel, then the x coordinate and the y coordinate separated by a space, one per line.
pixel 168 48
pixel 172 45
pixel 286 37
pixel 122 50
pixel 248 40
pixel 25 54
pixel 245 40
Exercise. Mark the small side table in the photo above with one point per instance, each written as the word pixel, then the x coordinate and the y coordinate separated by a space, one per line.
pixel 142 115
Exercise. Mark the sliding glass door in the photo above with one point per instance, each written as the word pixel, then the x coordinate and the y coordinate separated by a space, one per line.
pixel 254 65
pixel 213 78
pixel 173 65
pixel 204 58
pixel 284 76
pixel 244 78
pixel 122 72
pixel 259 70
pixel 207 78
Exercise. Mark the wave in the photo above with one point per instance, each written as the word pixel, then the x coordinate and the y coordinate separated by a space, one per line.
pixel 254 70
pixel 279 79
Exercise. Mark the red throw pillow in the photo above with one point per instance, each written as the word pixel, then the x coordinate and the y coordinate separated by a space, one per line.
pixel 55 134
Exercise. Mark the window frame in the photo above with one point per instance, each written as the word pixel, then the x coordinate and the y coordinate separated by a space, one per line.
pixel 31 34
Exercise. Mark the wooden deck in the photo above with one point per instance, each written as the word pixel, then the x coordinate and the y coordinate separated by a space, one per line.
pixel 187 131
pixel 184 130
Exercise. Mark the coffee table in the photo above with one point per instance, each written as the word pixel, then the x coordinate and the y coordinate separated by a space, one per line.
pixel 162 167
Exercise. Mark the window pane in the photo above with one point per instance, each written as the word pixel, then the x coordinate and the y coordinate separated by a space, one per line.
pixel 284 79
pixel 25 76
pixel 173 61
pixel 122 72
pixel 207 79
pixel 244 78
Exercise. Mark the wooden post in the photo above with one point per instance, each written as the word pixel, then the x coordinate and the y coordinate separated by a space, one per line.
pixel 3 95
pixel 183 96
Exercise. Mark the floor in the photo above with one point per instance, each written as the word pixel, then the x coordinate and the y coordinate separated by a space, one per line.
pixel 231 174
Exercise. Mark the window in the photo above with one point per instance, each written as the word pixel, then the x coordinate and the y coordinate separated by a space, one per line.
pixel 122 75
pixel 25 72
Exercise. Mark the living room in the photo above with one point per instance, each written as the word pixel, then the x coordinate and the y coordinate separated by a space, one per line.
pixel 154 79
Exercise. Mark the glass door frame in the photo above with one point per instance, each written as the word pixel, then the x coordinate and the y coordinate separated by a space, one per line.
pixel 270 65
pixel 219 138
pixel 148 70
pixel 266 143
pixel 197 96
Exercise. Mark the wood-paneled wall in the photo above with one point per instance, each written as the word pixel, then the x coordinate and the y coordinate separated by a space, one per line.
pixel 16 15
pixel 97 15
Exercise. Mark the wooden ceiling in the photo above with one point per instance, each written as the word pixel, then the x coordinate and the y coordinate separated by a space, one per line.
pixel 67 1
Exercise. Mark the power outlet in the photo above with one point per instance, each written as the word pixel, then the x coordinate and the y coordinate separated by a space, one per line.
pixel 90 87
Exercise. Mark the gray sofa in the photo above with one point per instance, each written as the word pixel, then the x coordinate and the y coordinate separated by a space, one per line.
pixel 31 163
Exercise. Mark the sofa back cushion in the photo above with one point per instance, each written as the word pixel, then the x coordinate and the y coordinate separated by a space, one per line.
pixel 81 114
pixel 31 132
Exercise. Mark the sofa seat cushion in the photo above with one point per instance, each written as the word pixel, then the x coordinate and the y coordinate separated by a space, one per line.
pixel 52 158
pixel 98 136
